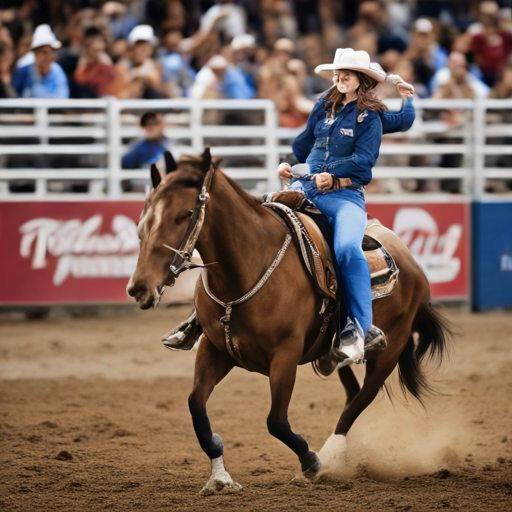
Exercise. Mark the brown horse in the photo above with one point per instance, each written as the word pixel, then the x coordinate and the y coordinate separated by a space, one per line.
pixel 240 241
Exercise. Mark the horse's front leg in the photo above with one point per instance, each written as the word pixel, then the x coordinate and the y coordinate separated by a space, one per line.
pixel 211 367
pixel 283 370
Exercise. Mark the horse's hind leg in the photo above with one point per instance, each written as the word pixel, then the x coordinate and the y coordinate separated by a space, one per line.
pixel 283 370
pixel 211 367
pixel 350 383
pixel 377 371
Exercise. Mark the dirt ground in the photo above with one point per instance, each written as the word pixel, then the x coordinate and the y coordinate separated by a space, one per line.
pixel 93 416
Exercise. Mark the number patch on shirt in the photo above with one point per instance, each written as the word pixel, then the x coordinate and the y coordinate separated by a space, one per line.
pixel 348 132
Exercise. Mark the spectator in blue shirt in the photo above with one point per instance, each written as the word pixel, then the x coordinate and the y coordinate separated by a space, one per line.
pixel 44 78
pixel 149 149
pixel 218 79
pixel 177 72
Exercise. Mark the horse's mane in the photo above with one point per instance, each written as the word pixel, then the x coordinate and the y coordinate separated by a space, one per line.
pixel 252 201
pixel 198 163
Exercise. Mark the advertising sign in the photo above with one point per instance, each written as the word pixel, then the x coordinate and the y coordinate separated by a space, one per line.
pixel 438 236
pixel 492 255
pixel 72 252
pixel 85 252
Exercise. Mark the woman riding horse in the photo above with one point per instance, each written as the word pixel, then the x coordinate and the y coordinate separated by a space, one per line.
pixel 341 144
pixel 186 334
pixel 250 314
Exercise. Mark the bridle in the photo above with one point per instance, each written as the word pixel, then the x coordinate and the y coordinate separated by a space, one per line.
pixel 183 255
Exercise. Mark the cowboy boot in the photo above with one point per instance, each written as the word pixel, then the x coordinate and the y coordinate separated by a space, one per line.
pixel 348 348
pixel 375 339
pixel 185 336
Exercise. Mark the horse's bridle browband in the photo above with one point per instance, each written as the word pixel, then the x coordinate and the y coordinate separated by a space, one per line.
pixel 182 258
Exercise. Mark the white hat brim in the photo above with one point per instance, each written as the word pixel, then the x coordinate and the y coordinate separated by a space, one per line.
pixel 56 45
pixel 326 71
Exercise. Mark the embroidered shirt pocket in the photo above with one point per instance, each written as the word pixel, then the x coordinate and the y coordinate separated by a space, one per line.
pixel 347 132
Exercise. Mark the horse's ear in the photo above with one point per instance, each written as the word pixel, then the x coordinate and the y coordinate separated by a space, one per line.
pixel 156 178
pixel 207 158
pixel 170 163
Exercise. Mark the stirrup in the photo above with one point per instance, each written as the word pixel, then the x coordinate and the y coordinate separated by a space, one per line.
pixel 375 339
pixel 185 336
pixel 349 347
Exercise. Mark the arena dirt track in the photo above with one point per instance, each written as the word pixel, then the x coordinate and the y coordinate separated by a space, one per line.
pixel 105 394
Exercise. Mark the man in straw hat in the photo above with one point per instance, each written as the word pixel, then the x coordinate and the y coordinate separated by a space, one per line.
pixel 44 78
pixel 341 144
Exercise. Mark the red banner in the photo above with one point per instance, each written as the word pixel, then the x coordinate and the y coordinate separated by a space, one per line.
pixel 83 252
pixel 438 236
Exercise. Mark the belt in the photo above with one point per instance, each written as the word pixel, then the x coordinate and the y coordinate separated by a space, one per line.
pixel 358 188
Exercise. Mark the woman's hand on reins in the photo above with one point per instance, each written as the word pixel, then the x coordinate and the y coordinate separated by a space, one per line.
pixel 284 171
pixel 323 181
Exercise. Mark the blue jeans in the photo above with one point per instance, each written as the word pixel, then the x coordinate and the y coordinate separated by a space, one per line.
pixel 345 210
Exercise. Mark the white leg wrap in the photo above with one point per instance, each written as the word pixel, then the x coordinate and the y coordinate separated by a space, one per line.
pixel 220 481
pixel 333 454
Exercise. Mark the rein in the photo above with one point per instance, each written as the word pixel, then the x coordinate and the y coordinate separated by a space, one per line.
pixel 228 306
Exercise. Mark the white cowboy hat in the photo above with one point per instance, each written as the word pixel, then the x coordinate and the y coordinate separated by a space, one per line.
pixel 43 36
pixel 423 25
pixel 218 62
pixel 346 58
pixel 142 33
pixel 242 41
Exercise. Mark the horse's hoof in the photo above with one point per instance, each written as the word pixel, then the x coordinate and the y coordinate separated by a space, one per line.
pixel 221 485
pixel 311 464
pixel 333 453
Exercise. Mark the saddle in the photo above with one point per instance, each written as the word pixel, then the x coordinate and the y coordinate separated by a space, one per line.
pixel 313 235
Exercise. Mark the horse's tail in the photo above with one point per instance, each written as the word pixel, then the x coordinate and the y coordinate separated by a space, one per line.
pixel 434 332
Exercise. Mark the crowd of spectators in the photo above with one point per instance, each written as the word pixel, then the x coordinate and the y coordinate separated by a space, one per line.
pixel 250 48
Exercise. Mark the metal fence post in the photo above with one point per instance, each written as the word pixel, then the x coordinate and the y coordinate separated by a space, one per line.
pixel 467 158
pixel 41 121
pixel 478 188
pixel 272 123
pixel 114 149
pixel 196 122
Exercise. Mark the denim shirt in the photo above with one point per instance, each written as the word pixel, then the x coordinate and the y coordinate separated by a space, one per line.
pixel 346 146
pixel 305 142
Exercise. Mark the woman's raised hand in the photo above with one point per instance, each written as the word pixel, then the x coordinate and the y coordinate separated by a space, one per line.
pixel 284 170
pixel 405 90
pixel 323 181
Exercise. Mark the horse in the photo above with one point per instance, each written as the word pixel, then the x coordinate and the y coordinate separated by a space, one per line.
pixel 272 330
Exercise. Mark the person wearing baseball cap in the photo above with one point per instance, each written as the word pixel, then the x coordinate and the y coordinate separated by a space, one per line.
pixel 341 144
pixel 141 70
pixel 43 78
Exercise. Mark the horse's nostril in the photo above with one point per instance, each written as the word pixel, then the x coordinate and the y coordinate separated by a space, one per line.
pixel 136 291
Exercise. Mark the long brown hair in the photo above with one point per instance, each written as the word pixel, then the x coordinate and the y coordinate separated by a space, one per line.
pixel 366 99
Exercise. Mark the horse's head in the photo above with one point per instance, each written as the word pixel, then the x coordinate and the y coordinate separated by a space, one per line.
pixel 164 221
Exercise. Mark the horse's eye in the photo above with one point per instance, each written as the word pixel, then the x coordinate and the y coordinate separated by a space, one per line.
pixel 184 215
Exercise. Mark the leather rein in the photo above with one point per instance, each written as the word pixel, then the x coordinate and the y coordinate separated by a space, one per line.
pixel 183 255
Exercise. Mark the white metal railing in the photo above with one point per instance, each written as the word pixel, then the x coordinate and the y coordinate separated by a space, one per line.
pixel 94 132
